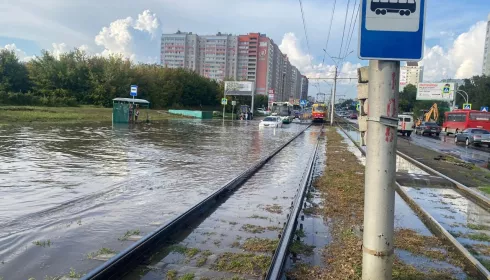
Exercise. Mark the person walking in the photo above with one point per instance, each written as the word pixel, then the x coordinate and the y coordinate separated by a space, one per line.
pixel 136 113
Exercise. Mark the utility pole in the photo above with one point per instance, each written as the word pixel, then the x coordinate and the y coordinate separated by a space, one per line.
pixel 333 96
pixel 379 203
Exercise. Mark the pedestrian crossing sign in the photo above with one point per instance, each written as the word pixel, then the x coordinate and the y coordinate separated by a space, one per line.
pixel 467 106
pixel 224 101
pixel 484 109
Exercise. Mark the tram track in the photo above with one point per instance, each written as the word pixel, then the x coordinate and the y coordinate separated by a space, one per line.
pixel 145 247
pixel 438 226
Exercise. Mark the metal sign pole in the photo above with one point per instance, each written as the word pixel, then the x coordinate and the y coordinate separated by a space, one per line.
pixel 379 203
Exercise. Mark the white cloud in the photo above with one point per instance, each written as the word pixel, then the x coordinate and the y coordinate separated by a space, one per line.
pixel 304 62
pixel 21 55
pixel 131 38
pixel 148 22
pixel 462 60
pixel 59 49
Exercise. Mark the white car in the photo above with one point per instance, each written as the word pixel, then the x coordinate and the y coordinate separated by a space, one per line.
pixel 271 122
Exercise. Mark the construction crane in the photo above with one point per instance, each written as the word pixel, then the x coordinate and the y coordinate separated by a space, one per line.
pixel 433 111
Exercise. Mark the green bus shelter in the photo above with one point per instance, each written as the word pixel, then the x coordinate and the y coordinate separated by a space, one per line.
pixel 123 109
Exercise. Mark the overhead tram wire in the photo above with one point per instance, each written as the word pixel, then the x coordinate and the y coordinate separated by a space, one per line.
pixel 353 28
pixel 329 30
pixel 343 33
pixel 307 40
pixel 350 25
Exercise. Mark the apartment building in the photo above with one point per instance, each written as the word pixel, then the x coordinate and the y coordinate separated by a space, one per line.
pixel 252 57
pixel 486 51
pixel 304 88
pixel 412 73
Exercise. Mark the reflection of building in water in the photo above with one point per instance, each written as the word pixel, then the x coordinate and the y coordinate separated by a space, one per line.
pixel 403 165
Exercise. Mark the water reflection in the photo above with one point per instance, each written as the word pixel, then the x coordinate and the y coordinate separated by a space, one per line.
pixel 83 186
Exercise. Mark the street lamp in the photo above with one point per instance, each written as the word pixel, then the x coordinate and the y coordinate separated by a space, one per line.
pixel 466 99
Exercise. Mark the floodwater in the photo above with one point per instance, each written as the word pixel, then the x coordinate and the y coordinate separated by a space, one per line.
pixel 74 189
pixel 405 218
pixel 258 209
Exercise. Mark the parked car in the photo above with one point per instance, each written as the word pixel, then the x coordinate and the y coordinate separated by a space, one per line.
pixel 263 111
pixel 405 124
pixel 428 128
pixel 353 116
pixel 473 136
pixel 272 121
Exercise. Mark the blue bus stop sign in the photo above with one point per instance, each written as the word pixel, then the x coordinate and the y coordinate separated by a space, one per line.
pixel 134 90
pixel 390 30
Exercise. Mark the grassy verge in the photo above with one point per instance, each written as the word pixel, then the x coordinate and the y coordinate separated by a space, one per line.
pixel 31 114
pixel 342 188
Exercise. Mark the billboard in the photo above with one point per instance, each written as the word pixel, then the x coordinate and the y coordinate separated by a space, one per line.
pixel 436 91
pixel 239 88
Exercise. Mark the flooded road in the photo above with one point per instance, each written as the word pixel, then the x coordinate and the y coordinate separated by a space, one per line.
pixel 247 222
pixel 67 191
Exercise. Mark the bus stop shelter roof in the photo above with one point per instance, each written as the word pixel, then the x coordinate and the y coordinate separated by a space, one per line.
pixel 131 100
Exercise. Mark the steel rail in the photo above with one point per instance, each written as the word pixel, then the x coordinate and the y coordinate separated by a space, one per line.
pixel 281 253
pixel 119 265
pixel 474 196
pixel 434 226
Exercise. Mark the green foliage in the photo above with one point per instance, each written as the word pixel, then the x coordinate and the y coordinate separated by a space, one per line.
pixel 77 79
pixel 478 89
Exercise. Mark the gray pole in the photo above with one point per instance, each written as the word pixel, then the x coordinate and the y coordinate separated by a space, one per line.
pixel 333 96
pixel 253 97
pixel 379 203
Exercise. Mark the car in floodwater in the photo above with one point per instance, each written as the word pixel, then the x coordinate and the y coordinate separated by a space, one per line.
pixel 271 121
pixel 428 128
pixel 473 136
pixel 353 116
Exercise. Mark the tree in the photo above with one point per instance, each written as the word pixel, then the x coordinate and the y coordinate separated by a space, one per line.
pixel 13 73
pixel 407 98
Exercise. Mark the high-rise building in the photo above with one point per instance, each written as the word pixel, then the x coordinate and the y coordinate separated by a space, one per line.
pixel 304 88
pixel 412 73
pixel 252 57
pixel 486 52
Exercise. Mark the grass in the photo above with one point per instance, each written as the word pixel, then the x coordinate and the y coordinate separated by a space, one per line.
pixel 191 252
pixel 42 243
pixel 253 228
pixel 187 276
pixel 300 233
pixel 103 251
pixel 479 237
pixel 242 263
pixel 477 227
pixel 484 262
pixel 417 244
pixel 277 209
pixel 74 274
pixel 201 261
pixel 258 217
pixel 485 189
pixel 171 275
pixel 82 114
pixel 263 245
pixel 300 248
pixel 129 233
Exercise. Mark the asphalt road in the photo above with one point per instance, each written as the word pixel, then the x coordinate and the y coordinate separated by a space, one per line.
pixel 445 144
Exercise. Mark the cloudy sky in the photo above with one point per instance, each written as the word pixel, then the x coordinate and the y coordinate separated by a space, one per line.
pixel 455 30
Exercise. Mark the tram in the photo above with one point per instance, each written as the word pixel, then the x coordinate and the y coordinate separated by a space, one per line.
pixel 319 112
pixel 404 8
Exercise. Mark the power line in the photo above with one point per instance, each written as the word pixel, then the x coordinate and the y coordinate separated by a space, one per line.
pixel 345 24
pixel 306 36
pixel 353 28
pixel 350 25
pixel 329 30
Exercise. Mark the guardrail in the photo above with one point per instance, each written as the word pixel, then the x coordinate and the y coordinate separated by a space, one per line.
pixel 281 253
pixel 120 264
